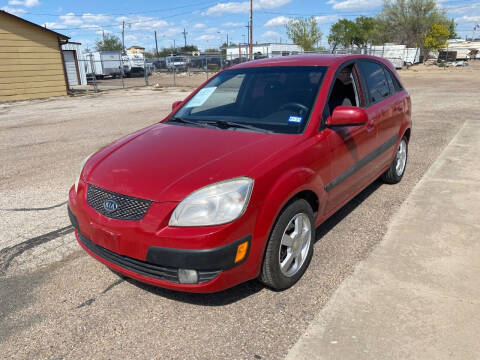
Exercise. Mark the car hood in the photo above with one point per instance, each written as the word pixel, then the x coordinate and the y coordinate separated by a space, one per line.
pixel 167 162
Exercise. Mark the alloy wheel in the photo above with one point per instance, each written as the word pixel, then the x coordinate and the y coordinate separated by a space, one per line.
pixel 295 244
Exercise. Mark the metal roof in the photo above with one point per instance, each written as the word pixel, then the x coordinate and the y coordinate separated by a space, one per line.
pixel 2 12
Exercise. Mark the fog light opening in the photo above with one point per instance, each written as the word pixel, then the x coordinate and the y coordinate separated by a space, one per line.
pixel 187 276
pixel 241 252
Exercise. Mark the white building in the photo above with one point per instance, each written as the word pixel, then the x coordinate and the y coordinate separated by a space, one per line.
pixel 397 54
pixel 74 63
pixel 263 50
pixel 463 48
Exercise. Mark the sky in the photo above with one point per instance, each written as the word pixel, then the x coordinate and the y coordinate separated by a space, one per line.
pixel 207 23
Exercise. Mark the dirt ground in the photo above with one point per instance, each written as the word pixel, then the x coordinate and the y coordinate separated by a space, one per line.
pixel 57 302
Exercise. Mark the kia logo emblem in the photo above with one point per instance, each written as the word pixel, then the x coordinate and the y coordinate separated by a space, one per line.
pixel 110 205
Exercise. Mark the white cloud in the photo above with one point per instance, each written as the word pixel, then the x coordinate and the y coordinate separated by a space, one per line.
pixel 26 3
pixel 232 24
pixel 199 26
pixel 472 9
pixel 142 22
pixel 326 19
pixel 71 20
pixel 31 3
pixel 92 18
pixel 212 30
pixel 277 21
pixel 243 7
pixel 355 5
pixel 272 35
pixel 14 11
pixel 171 32
pixel 468 19
pixel 282 20
pixel 101 32
pixel 54 26
pixel 90 27
pixel 206 37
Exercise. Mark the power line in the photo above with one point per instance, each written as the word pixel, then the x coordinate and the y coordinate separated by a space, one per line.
pixel 130 13
pixel 87 27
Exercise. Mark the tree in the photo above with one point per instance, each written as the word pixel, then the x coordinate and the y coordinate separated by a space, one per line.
pixel 108 42
pixel 408 21
pixel 452 29
pixel 188 48
pixel 347 33
pixel 365 28
pixel 304 32
pixel 166 52
pixel 437 37
pixel 341 34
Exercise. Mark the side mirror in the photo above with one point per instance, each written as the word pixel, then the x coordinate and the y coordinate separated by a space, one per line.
pixel 347 116
pixel 175 104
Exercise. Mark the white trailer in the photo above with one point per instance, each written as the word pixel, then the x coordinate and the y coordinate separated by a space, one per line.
pixel 103 63
pixel 134 64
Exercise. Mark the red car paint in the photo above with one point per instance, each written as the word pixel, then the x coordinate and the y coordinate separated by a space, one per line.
pixel 165 163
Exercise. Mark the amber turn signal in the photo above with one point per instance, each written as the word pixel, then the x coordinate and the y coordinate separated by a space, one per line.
pixel 241 251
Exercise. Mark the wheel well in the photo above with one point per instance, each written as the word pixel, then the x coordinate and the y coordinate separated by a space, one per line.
pixel 407 134
pixel 310 197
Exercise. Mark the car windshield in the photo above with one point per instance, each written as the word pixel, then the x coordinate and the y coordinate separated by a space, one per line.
pixel 272 99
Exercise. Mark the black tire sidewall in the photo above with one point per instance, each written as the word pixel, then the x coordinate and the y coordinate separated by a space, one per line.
pixel 271 273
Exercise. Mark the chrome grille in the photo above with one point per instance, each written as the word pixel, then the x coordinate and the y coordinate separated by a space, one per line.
pixel 129 208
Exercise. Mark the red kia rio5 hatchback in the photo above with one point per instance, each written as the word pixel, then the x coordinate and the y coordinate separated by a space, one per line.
pixel 231 185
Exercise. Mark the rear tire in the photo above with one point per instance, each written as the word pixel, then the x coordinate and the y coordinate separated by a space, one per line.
pixel 290 246
pixel 396 170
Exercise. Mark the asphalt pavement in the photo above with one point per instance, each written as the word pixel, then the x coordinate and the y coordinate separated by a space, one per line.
pixel 57 302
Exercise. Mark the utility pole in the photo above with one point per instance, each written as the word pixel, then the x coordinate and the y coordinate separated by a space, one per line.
pixel 123 36
pixel 227 39
pixel 251 30
pixel 103 35
pixel 185 36
pixel 156 44
pixel 475 28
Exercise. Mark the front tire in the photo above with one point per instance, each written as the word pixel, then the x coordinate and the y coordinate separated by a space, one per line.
pixel 290 246
pixel 396 170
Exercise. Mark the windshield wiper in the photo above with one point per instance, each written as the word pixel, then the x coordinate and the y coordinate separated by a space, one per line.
pixel 189 122
pixel 227 124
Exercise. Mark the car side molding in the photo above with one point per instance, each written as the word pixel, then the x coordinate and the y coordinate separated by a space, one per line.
pixel 361 163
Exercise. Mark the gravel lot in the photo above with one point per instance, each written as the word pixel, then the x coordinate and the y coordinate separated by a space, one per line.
pixel 57 302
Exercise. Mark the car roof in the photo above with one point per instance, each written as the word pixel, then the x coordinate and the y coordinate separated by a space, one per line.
pixel 330 60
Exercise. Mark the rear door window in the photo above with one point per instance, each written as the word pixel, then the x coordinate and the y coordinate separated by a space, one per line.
pixel 378 88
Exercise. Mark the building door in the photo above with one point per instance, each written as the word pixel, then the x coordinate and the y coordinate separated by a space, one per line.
pixel 71 67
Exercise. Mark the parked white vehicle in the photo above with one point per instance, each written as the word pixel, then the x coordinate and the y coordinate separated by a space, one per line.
pixel 103 63
pixel 134 64
pixel 176 62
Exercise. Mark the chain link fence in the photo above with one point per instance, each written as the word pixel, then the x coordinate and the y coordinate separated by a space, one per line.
pixel 111 70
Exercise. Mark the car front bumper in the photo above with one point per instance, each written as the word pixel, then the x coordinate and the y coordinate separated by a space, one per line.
pixel 126 248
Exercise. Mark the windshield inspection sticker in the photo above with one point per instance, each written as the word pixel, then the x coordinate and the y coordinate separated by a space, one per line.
pixel 295 119
pixel 200 97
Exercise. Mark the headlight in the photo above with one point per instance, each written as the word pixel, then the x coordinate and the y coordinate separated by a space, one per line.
pixel 82 164
pixel 215 204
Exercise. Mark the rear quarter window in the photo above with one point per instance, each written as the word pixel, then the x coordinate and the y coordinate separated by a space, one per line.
pixel 377 84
